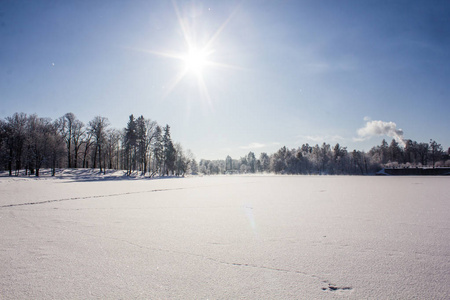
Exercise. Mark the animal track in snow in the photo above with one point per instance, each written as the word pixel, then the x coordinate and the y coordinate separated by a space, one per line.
pixel 333 288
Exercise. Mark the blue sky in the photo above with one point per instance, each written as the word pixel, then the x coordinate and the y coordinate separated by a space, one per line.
pixel 277 72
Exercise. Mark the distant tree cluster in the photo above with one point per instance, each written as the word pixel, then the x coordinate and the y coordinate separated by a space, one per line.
pixel 337 160
pixel 29 143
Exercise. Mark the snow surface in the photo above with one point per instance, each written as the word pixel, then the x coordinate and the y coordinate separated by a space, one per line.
pixel 225 237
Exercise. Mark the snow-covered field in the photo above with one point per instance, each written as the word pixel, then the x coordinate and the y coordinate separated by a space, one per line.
pixel 225 237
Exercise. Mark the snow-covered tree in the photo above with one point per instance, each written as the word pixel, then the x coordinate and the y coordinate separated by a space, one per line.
pixel 435 152
pixel 251 162
pixel 265 162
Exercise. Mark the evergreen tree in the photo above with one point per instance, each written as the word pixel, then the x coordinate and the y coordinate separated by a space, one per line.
pixel 169 151
pixel 384 151
pixel 141 135
pixel 130 143
pixel 395 152
pixel 158 154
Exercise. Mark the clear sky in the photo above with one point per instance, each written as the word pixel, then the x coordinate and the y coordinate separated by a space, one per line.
pixel 231 77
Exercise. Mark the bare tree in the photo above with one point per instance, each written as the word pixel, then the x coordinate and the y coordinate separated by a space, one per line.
pixel 3 137
pixel 40 135
pixel 56 146
pixel 78 133
pixel 98 129
pixel 86 143
pixel 15 130
pixel 66 124
pixel 150 138
pixel 158 155
pixel 113 137
pixel 422 151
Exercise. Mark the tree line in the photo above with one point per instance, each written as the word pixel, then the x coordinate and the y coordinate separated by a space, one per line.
pixel 326 159
pixel 29 143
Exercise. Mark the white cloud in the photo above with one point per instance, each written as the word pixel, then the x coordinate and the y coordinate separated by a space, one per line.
pixel 314 138
pixel 379 128
pixel 321 138
pixel 253 146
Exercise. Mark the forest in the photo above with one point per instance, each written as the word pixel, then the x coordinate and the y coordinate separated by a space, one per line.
pixel 335 160
pixel 29 143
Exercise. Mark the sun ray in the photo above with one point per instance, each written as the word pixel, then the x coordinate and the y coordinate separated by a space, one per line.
pixel 221 28
pixel 197 57
pixel 183 27
pixel 175 82
pixel 203 90
pixel 158 53
pixel 224 66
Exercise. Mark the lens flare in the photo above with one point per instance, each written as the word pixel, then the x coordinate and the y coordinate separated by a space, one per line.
pixel 196 60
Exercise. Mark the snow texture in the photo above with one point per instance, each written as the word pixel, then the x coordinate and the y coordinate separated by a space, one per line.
pixel 225 237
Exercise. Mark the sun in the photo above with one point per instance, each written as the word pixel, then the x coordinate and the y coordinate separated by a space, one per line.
pixel 195 60
pixel 200 56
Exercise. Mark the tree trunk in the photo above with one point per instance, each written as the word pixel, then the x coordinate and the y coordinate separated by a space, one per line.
pixel 95 157
pixel 10 161
pixel 100 157
pixel 84 158
pixel 75 159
